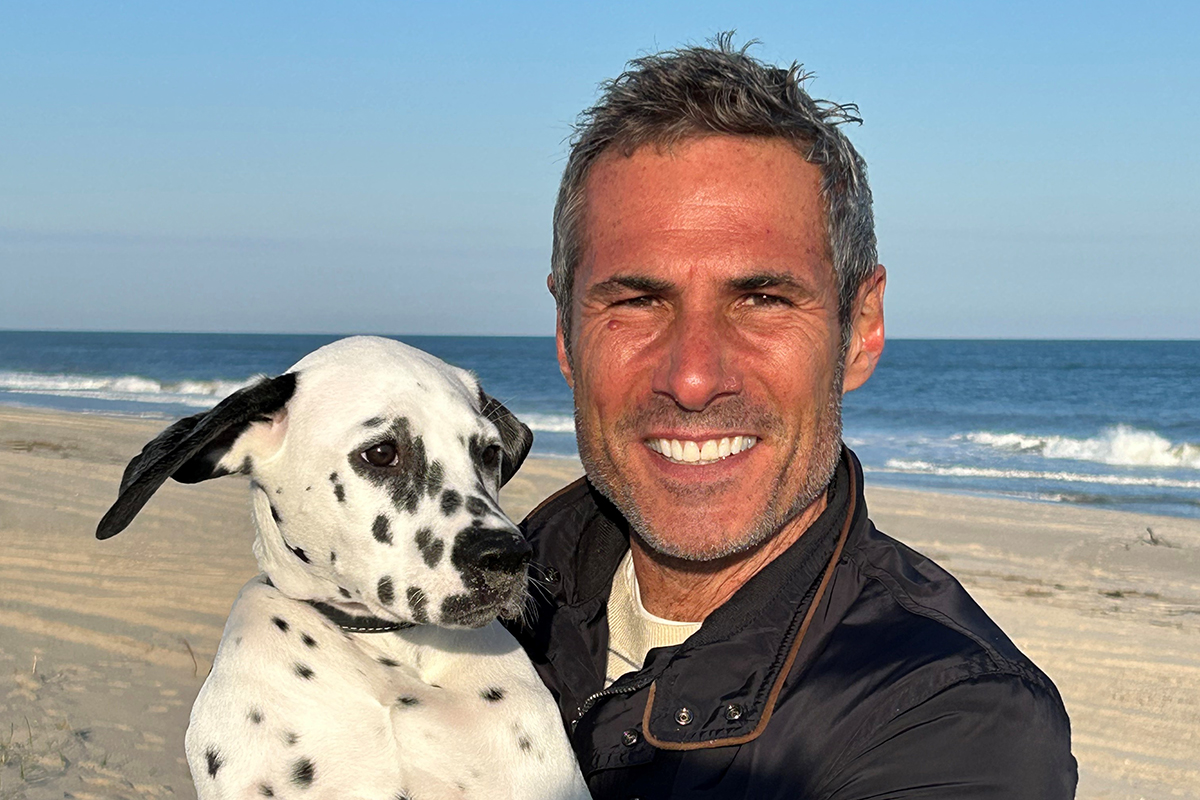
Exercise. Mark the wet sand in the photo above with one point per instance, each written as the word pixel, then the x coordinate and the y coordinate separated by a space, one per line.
pixel 103 645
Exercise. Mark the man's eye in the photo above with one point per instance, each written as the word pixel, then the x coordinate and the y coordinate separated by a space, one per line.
pixel 384 454
pixel 761 299
pixel 641 301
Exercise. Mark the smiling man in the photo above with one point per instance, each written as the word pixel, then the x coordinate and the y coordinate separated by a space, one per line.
pixel 718 616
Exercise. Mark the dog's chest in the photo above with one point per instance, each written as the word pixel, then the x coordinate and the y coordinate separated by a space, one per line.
pixel 294 702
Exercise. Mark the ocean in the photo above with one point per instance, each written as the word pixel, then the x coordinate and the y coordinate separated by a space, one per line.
pixel 1100 423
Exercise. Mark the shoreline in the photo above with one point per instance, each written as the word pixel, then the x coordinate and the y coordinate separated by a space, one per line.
pixel 103 645
pixel 887 477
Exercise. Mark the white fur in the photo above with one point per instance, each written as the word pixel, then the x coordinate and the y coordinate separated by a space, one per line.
pixel 412 713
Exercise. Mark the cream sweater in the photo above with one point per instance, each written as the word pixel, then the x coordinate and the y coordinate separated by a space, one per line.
pixel 632 630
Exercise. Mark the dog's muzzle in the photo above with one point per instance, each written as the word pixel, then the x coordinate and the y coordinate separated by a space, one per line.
pixel 492 563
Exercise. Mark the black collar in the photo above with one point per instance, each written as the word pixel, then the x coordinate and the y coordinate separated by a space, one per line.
pixel 358 624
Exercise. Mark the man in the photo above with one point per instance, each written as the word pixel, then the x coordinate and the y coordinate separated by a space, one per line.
pixel 718 616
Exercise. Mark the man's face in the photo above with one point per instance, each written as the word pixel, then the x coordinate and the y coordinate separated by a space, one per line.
pixel 706 364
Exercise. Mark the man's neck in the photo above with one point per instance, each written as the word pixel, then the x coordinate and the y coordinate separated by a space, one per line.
pixel 689 591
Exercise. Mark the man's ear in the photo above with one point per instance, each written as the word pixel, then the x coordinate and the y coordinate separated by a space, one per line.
pixel 866 331
pixel 564 361
pixel 199 447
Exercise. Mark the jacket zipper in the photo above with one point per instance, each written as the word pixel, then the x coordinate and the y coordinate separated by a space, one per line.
pixel 610 691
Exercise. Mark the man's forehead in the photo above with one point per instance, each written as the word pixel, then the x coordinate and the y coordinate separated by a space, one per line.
pixel 716 198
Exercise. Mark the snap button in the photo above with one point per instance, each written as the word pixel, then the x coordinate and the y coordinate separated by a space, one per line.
pixel 630 737
pixel 684 716
pixel 733 712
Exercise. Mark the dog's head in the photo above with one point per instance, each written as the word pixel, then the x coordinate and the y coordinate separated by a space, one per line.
pixel 375 471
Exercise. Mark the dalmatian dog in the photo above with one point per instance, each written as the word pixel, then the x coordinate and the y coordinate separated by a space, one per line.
pixel 366 661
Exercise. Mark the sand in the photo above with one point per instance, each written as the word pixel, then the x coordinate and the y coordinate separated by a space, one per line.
pixel 103 645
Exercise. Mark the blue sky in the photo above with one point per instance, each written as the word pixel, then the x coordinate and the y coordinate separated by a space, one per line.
pixel 388 167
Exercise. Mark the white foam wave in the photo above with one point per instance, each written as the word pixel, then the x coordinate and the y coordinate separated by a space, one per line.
pixel 549 423
pixel 954 471
pixel 124 388
pixel 1121 446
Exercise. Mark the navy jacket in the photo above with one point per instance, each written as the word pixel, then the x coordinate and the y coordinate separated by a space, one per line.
pixel 850 667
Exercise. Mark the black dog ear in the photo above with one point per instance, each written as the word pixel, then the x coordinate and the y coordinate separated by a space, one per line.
pixel 191 449
pixel 515 436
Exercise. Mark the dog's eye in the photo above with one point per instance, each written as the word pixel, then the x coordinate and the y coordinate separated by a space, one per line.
pixel 381 455
pixel 491 456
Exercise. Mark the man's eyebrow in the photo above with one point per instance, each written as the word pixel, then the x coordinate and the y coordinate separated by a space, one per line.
pixel 623 283
pixel 769 280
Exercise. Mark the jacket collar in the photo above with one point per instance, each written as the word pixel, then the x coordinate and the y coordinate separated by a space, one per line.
pixel 691 702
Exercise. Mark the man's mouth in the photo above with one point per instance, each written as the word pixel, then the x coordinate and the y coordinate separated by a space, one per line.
pixel 709 451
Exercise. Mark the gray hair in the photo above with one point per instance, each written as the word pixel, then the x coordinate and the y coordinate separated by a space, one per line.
pixel 668 97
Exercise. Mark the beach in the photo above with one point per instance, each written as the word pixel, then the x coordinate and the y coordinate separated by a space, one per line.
pixel 103 645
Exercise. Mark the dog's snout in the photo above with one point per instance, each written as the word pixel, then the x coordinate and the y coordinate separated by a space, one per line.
pixel 492 550
pixel 504 551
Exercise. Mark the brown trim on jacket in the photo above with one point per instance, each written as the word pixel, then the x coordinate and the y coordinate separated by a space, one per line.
pixel 787 664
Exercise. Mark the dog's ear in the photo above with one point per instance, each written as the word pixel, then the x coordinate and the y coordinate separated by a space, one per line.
pixel 515 436
pixel 191 450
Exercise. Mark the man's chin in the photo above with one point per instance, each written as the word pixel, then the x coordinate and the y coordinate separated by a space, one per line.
pixel 698 536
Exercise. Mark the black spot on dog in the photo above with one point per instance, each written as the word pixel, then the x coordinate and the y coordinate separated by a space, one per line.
pixel 451 502
pixel 308 640
pixel 290 738
pixel 255 716
pixel 407 700
pixel 400 796
pixel 247 466
pixel 493 695
pixel 279 490
pixel 416 605
pixel 280 623
pixel 275 514
pixel 388 662
pixel 344 592
pixel 431 548
pixel 303 670
pixel 477 506
pixel 339 491
pixel 303 773
pixel 214 761
pixel 265 790
pixel 524 743
pixel 387 593
pixel 238 640
pixel 411 477
pixel 332 557
pixel 374 422
pixel 380 530
pixel 434 479
pixel 298 552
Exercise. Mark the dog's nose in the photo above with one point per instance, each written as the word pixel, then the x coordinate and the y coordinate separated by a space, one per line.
pixel 495 550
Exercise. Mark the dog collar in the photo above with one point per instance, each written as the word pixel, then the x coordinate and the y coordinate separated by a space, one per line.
pixel 357 624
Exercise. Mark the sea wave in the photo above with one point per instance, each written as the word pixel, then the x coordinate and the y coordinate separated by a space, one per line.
pixel 1120 446
pixel 549 423
pixel 123 388
pixel 915 467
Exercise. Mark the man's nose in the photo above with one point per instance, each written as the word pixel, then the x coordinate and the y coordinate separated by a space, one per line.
pixel 698 365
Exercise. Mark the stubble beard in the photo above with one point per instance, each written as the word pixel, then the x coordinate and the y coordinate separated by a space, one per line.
pixel 824 452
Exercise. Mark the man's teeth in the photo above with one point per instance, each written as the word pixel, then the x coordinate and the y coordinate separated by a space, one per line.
pixel 707 452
